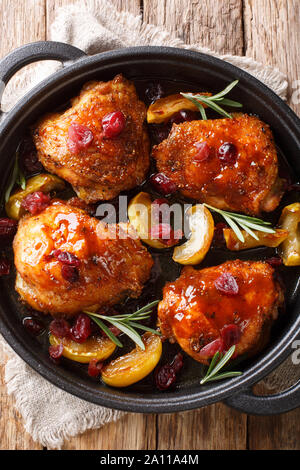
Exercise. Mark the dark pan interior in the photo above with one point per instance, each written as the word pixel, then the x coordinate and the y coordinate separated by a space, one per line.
pixel 181 72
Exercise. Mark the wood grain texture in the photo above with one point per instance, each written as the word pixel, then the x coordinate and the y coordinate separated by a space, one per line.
pixel 214 427
pixel 216 24
pixel 272 36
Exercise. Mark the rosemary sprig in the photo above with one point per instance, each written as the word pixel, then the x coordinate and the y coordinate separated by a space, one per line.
pixel 217 363
pixel 245 222
pixel 214 101
pixel 16 177
pixel 127 323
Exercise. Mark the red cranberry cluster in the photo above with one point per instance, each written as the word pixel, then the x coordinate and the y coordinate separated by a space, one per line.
pixel 163 184
pixel 69 264
pixel 36 202
pixel 79 332
pixel 165 376
pixel 80 137
pixel 230 335
pixel 226 283
pixel 113 124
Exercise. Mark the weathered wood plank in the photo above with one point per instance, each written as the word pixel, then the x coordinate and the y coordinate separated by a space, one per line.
pixel 214 427
pixel 272 36
pixel 212 23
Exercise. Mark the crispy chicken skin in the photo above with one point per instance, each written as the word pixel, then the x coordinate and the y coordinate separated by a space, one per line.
pixel 108 165
pixel 193 310
pixel 110 269
pixel 249 185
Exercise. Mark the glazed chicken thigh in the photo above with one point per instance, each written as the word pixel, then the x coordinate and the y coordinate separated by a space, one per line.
pixel 99 145
pixel 67 261
pixel 211 309
pixel 228 163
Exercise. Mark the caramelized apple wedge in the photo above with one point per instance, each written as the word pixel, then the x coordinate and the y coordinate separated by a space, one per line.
pixel 99 348
pixel 290 248
pixel 264 239
pixel 134 366
pixel 202 227
pixel 43 182
pixel 140 217
pixel 163 109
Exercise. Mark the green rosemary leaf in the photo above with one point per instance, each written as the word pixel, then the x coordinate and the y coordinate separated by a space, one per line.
pixel 16 177
pixel 259 227
pixel 247 229
pixel 105 328
pixel 145 328
pixel 129 331
pixel 211 104
pixel 215 359
pixel 216 366
pixel 225 375
pixel 227 102
pixel 147 307
pixel 197 103
pixel 226 90
pixel 234 227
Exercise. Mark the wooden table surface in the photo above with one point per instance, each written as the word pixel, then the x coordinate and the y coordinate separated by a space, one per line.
pixel 267 30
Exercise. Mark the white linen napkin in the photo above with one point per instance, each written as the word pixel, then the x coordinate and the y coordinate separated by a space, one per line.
pixel 50 414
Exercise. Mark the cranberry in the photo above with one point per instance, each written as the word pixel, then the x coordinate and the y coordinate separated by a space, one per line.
pixel 165 234
pixel 66 257
pixel 177 363
pixel 212 348
pixel 228 153
pixel 274 261
pixel 36 202
pixel 231 334
pixel 183 116
pixel 60 328
pixel 95 367
pixel 165 376
pixel 162 184
pixel 33 325
pixel 159 132
pixel 218 240
pixel 4 267
pixel 154 92
pixel 8 228
pixel 227 284
pixel 115 330
pixel 81 329
pixel 157 211
pixel 70 273
pixel 56 351
pixel 113 124
pixel 203 151
pixel 29 158
pixel 79 137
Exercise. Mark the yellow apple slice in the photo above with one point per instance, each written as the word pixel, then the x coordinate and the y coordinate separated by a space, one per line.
pixel 202 227
pixel 134 366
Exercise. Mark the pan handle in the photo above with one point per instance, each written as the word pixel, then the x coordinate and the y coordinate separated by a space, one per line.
pixel 282 402
pixel 33 52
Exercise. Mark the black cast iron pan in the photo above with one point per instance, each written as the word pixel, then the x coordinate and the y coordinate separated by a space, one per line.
pixel 175 68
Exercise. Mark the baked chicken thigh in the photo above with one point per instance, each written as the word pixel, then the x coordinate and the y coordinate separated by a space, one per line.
pixel 67 261
pixel 228 163
pixel 99 145
pixel 210 310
